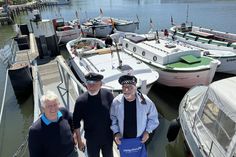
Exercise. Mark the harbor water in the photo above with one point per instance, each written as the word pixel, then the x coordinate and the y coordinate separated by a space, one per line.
pixel 215 14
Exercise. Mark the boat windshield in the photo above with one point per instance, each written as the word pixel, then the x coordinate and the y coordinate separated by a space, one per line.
pixel 219 124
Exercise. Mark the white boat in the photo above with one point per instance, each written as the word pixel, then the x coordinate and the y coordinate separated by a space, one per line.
pixel 96 28
pixel 63 2
pixel 202 38
pixel 57 2
pixel 227 59
pixel 205 38
pixel 121 24
pixel 90 54
pixel 208 120
pixel 66 31
pixel 177 65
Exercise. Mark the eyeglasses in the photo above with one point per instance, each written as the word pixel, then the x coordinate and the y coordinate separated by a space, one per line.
pixel 129 87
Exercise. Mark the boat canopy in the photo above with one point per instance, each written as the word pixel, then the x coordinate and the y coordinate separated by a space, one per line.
pixel 222 94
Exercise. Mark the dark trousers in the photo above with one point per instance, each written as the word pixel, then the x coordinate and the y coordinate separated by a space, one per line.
pixel 94 148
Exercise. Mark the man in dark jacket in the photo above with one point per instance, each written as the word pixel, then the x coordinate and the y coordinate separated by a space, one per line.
pixel 51 135
pixel 93 108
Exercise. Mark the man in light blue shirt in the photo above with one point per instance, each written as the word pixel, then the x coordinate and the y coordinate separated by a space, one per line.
pixel 132 113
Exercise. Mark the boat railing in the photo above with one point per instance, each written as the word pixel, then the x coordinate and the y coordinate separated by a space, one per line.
pixel 68 77
pixel 196 121
pixel 214 149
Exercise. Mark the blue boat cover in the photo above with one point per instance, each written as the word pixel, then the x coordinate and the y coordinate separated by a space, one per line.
pixel 132 147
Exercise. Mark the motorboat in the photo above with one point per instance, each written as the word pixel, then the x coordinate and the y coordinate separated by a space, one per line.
pixel 207 117
pixel 178 65
pixel 96 28
pixel 66 31
pixel 91 55
pixel 121 24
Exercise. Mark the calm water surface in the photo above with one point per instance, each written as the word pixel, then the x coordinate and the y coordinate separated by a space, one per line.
pixel 216 14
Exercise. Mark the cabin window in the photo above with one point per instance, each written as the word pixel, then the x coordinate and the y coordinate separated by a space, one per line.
pixel 126 45
pixel 155 58
pixel 143 53
pixel 219 124
pixel 134 49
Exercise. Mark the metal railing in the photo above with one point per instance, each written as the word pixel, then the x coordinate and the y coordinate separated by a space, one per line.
pixel 4 96
pixel 67 79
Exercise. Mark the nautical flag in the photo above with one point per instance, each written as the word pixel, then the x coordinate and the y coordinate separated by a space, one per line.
pixel 132 147
pixel 171 20
pixel 101 12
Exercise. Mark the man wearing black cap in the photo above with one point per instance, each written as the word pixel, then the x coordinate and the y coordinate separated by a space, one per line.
pixel 93 108
pixel 132 113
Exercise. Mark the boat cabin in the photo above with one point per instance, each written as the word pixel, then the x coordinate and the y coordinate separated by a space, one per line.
pixel 160 51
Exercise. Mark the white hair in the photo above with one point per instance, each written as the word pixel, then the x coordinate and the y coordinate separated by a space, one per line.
pixel 49 96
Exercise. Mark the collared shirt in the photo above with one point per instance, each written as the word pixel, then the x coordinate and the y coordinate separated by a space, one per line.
pixel 47 121
pixel 147 116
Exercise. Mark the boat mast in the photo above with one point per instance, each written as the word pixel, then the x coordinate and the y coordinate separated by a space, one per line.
pixel 187 14
pixel 118 54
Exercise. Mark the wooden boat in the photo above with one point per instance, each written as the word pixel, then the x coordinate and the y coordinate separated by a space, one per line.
pixel 205 38
pixel 90 54
pixel 121 24
pixel 66 31
pixel 177 65
pixel 214 44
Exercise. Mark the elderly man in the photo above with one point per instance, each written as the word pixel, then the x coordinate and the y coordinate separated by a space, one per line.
pixel 134 115
pixel 51 135
pixel 93 108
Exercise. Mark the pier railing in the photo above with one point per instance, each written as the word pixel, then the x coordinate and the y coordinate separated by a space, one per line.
pixel 4 96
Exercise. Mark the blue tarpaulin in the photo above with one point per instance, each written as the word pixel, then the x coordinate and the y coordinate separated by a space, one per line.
pixel 132 148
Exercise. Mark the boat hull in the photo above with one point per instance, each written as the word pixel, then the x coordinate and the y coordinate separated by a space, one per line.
pixel 184 79
pixel 98 31
pixel 186 126
pixel 228 65
pixel 66 36
pixel 129 27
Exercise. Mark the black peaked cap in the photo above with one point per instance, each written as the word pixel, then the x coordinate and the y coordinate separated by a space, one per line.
pixel 127 79
pixel 93 77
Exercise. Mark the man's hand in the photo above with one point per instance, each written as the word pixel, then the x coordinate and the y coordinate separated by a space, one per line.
pixel 117 138
pixel 145 137
pixel 81 146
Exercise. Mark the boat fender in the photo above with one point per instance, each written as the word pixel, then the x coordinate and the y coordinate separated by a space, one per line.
pixel 173 130
pixel 196 38
pixel 184 35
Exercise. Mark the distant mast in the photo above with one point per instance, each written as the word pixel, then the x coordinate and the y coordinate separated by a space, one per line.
pixel 187 14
